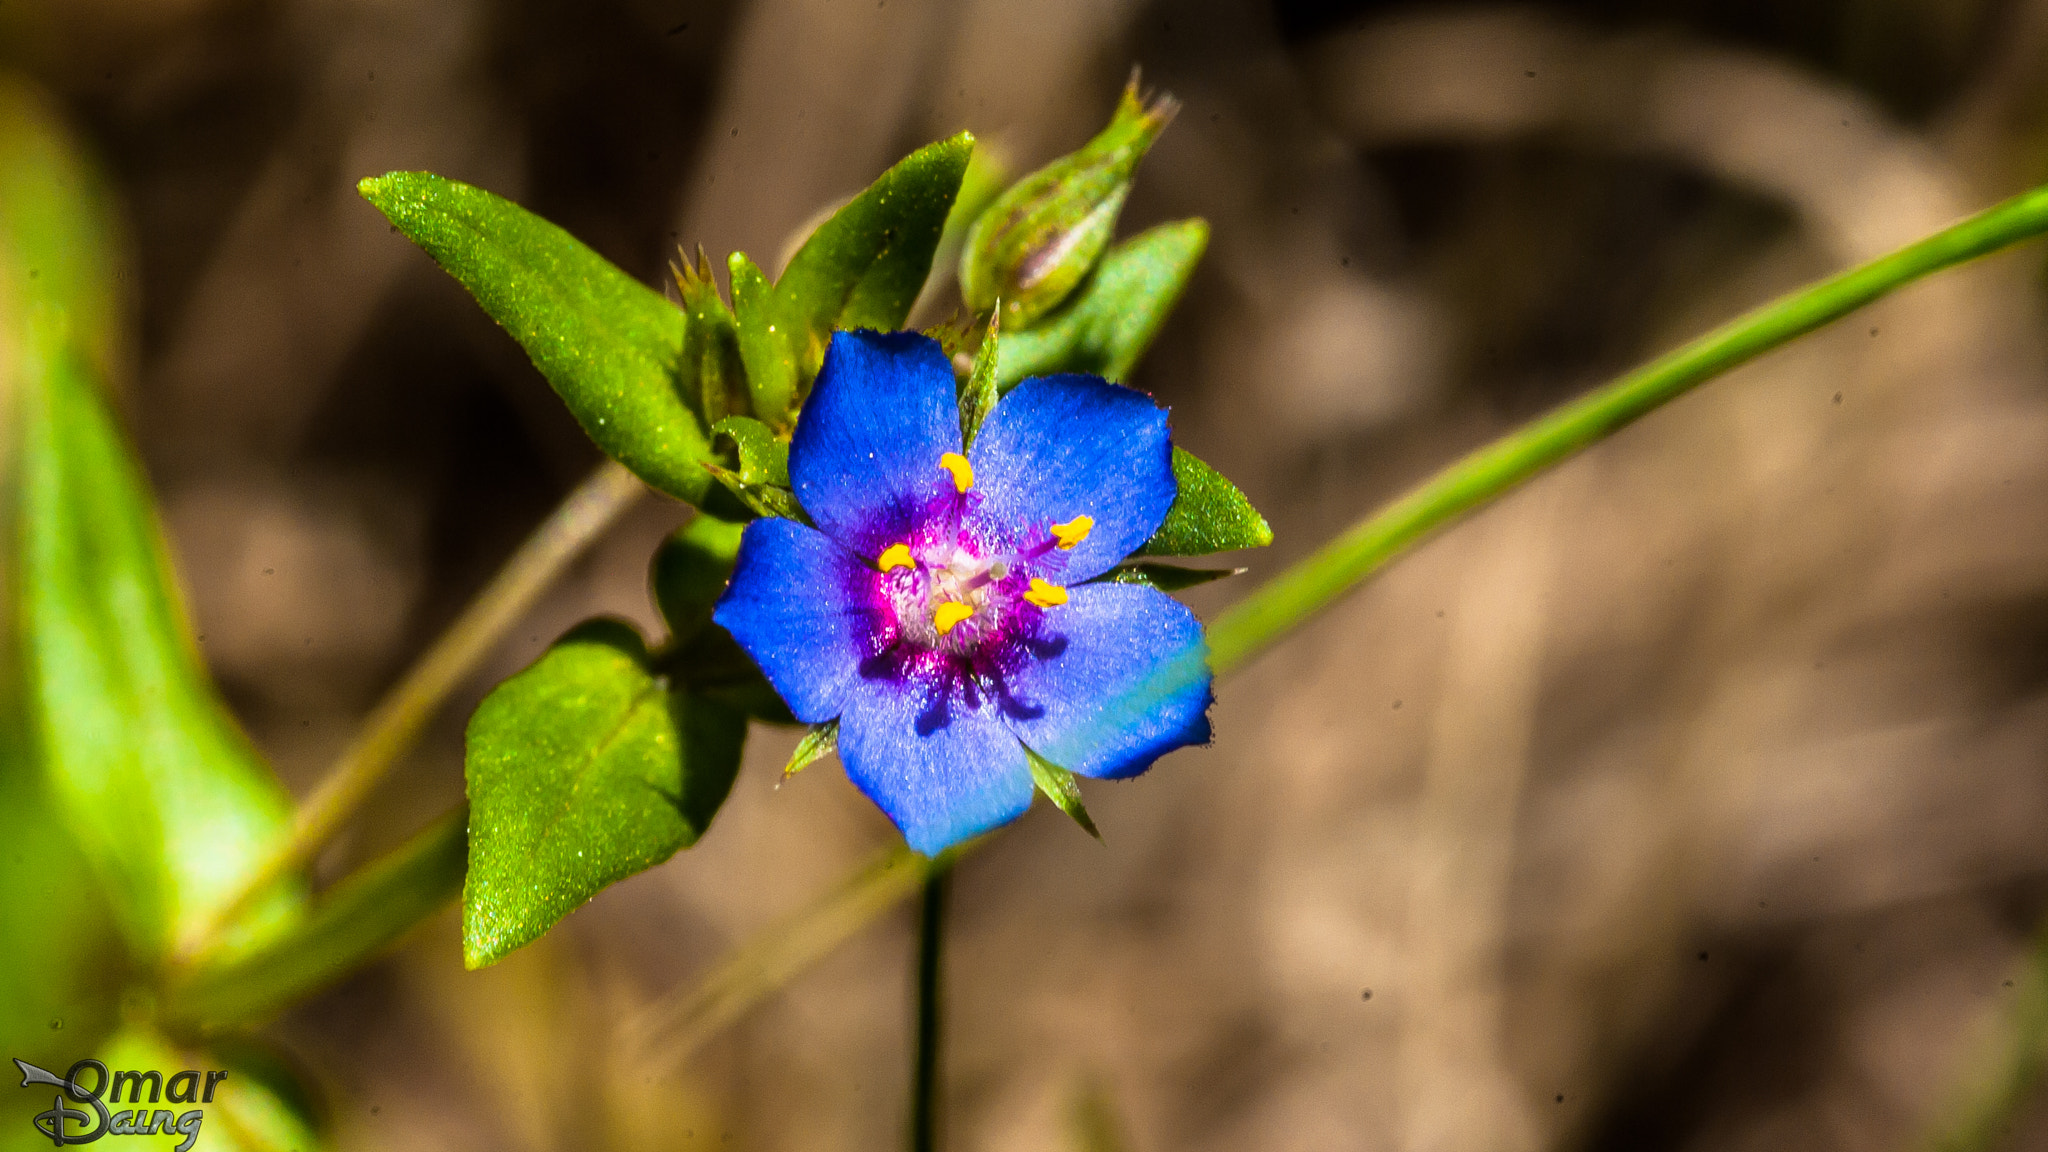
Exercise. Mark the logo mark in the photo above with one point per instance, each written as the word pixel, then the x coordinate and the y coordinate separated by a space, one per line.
pixel 64 1124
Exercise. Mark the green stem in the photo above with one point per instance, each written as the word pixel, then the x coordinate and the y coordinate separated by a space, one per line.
pixel 1254 623
pixel 1258 621
pixel 399 718
pixel 924 1076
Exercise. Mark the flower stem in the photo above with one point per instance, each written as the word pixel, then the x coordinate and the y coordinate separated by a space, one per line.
pixel 399 718
pixel 1254 623
pixel 924 1073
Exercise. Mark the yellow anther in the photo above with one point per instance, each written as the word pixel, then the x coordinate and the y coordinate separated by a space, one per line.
pixel 963 472
pixel 948 615
pixel 1045 595
pixel 1073 532
pixel 895 556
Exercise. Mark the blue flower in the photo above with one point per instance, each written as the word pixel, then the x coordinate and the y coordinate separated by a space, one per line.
pixel 943 609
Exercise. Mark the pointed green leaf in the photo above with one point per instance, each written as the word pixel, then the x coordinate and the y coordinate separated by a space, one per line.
pixel 1110 322
pixel 162 793
pixel 689 573
pixel 353 921
pixel 766 338
pixel 764 456
pixel 1167 577
pixel 978 389
pixel 1059 786
pixel 1208 514
pixel 611 347
pixel 583 770
pixel 863 267
pixel 819 742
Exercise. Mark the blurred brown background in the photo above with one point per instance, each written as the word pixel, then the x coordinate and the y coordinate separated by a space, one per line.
pixel 1692 798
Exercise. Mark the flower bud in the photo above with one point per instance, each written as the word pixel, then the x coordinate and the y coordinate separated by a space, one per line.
pixel 1043 236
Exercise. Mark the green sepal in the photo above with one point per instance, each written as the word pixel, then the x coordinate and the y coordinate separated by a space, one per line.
pixel 1165 577
pixel 714 378
pixel 760 499
pixel 1059 786
pixel 353 921
pixel 584 769
pixel 612 348
pixel 1042 237
pixel 863 268
pixel 763 456
pixel 820 741
pixel 689 572
pixel 1107 326
pixel 764 340
pixel 978 389
pixel 1208 514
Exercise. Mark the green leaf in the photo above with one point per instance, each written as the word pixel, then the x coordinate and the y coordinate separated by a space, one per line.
pixel 819 742
pixel 611 347
pixel 163 794
pixel 354 920
pixel 1108 324
pixel 764 456
pixel 863 267
pixel 583 769
pixel 1059 787
pixel 766 341
pixel 1166 577
pixel 978 390
pixel 689 573
pixel 760 499
pixel 1208 514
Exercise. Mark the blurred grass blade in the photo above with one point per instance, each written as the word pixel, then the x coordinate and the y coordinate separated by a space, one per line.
pixel 1115 315
pixel 583 770
pixel 351 923
pixel 611 347
pixel 163 793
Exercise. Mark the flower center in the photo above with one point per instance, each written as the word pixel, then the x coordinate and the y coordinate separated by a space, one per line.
pixel 953 594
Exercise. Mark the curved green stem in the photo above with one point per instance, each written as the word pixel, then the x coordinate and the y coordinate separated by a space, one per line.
pixel 399 718
pixel 1255 622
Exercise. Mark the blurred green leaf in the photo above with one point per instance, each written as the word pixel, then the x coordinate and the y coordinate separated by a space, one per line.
pixel 978 387
pixel 689 573
pixel 1167 577
pixel 1107 325
pixel 612 348
pixel 352 923
pixel 163 794
pixel 1043 236
pixel 1059 786
pixel 863 268
pixel 583 769
pixel 261 1106
pixel 1208 514
pixel 764 456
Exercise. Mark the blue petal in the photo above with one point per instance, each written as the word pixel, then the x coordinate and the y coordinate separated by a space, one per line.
pixel 941 768
pixel 1058 447
pixel 1122 679
pixel 865 457
pixel 796 605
